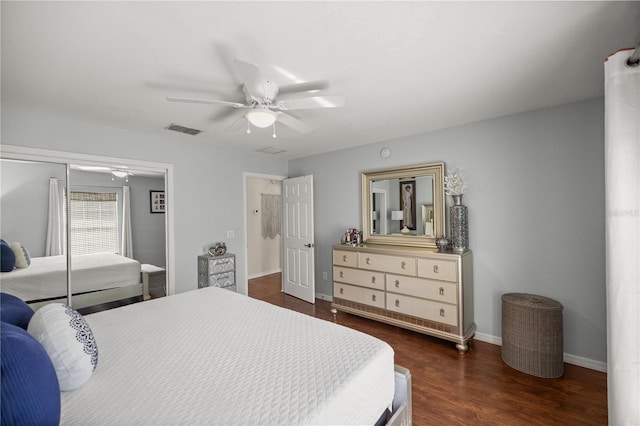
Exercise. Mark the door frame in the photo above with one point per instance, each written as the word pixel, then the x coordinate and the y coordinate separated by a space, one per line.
pixel 245 176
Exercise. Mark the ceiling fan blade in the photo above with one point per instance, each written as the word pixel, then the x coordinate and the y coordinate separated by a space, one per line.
pixel 250 75
pixel 330 101
pixel 235 122
pixel 294 123
pixel 206 101
pixel 304 87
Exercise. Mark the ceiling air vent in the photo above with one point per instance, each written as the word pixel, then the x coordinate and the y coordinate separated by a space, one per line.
pixel 182 129
pixel 271 150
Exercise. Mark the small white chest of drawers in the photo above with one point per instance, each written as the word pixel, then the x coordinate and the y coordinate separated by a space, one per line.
pixel 414 288
pixel 217 271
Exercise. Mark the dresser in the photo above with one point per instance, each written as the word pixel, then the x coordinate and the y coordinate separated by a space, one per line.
pixel 415 288
pixel 217 271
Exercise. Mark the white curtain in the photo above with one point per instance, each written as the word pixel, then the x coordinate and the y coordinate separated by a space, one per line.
pixel 622 195
pixel 53 245
pixel 126 244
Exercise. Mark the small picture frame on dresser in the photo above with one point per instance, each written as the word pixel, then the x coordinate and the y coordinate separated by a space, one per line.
pixel 157 201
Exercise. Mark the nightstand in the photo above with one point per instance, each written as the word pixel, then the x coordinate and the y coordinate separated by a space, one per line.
pixel 217 271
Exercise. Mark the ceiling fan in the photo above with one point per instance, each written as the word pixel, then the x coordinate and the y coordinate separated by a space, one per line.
pixel 264 107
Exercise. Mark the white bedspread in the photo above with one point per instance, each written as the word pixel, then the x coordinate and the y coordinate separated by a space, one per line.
pixel 211 356
pixel 46 277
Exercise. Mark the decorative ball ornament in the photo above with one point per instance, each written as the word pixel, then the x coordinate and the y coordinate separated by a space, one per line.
pixel 218 250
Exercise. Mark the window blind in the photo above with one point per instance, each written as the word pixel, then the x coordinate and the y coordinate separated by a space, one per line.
pixel 94 222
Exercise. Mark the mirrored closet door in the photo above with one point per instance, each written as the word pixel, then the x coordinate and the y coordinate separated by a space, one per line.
pixel 106 224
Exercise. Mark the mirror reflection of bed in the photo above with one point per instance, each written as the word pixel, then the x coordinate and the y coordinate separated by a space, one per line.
pixel 104 272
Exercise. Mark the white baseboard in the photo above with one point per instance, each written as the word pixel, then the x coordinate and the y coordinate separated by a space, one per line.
pixel 568 358
pixel 262 274
pixel 324 297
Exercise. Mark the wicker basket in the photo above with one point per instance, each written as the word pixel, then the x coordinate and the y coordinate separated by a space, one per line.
pixel 532 334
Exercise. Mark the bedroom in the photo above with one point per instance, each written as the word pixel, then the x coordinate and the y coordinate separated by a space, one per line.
pixel 536 171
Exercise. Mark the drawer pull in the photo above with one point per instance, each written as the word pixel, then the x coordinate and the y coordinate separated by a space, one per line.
pixel 341 274
pixel 441 291
pixel 368 261
pixel 403 265
pixel 373 297
pixel 397 283
pixel 435 269
pixel 373 279
pixel 344 258
pixel 441 312
pixel 341 290
pixel 397 303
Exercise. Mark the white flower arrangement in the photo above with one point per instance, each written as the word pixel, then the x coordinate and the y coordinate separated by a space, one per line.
pixel 455 182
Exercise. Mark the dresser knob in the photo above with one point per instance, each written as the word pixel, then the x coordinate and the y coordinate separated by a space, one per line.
pixel 373 297
pixel 435 269
pixel 341 290
pixel 373 280
pixel 344 258
pixel 368 260
pixel 403 265
pixel 341 274
pixel 441 312
pixel 441 291
pixel 397 303
pixel 397 283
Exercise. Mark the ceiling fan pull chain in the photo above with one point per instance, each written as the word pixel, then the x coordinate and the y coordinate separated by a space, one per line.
pixel 248 127
pixel 274 130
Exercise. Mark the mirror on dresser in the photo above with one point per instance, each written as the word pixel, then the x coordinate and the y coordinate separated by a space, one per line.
pixel 404 206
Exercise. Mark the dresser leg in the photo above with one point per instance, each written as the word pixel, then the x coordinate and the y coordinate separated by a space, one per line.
pixel 462 348
pixel 334 312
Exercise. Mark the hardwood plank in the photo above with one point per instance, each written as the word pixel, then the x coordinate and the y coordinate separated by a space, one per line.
pixel 476 388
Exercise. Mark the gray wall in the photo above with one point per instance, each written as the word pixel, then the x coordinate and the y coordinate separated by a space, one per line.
pixel 24 202
pixel 208 180
pixel 536 209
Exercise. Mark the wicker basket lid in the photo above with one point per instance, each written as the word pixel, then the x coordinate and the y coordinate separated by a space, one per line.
pixel 531 301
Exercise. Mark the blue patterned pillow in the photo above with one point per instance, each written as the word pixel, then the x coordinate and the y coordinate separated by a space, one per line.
pixel 30 391
pixel 69 341
pixel 23 258
pixel 14 310
pixel 7 257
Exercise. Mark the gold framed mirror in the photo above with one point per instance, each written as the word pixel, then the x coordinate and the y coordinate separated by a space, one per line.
pixel 404 206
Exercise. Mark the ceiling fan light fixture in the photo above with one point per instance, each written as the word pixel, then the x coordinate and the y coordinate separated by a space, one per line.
pixel 261 117
pixel 119 173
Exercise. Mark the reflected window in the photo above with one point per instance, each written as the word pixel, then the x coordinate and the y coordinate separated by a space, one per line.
pixel 94 222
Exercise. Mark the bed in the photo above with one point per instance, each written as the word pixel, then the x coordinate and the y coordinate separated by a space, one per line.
pixel 211 356
pixel 95 278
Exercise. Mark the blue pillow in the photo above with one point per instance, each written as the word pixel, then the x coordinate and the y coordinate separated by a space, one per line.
pixel 15 311
pixel 7 257
pixel 30 390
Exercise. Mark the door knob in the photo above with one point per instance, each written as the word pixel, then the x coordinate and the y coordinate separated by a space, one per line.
pixel 308 245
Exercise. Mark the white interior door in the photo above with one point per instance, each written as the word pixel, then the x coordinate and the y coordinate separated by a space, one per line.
pixel 298 252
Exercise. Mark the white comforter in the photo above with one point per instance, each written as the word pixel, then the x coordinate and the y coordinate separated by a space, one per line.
pixel 46 277
pixel 211 356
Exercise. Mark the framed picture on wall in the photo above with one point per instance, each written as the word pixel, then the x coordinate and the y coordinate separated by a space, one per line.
pixel 157 201
pixel 407 203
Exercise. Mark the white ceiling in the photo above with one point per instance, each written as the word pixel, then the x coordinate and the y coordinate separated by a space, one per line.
pixel 404 67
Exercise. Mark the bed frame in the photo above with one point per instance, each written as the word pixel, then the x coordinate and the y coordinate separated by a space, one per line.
pixel 401 414
pixel 83 300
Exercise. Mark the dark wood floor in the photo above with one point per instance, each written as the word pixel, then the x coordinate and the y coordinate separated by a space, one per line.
pixel 472 389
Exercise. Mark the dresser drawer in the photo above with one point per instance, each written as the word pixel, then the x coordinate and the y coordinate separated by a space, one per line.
pixel 420 287
pixel 381 262
pixel 225 264
pixel 345 258
pixel 421 308
pixel 362 295
pixel 359 277
pixel 438 269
